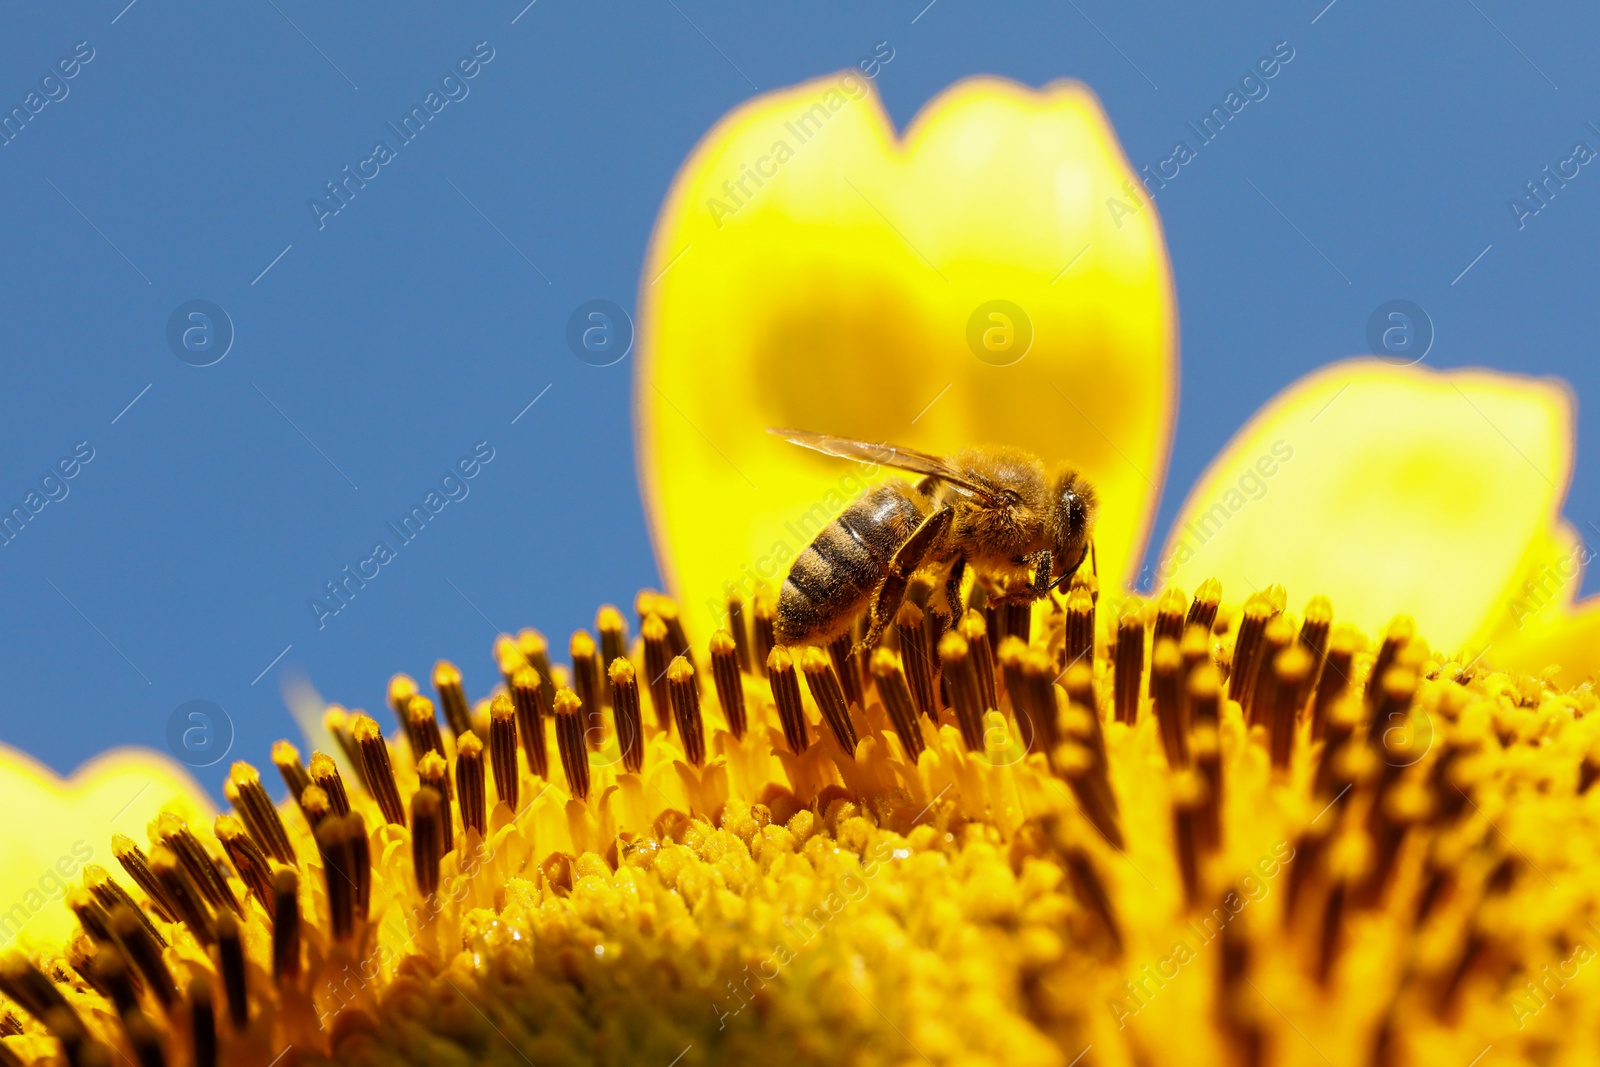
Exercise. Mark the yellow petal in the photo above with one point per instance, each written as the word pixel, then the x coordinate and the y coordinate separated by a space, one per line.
pixel 54 827
pixel 836 296
pixel 1570 642
pixel 1390 489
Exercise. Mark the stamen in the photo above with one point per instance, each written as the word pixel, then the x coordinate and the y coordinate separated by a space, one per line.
pixel 1038 701
pixel 1091 892
pixel 829 697
pixel 525 695
pixel 1309 847
pixel 376 769
pixel 1247 645
pixel 143 945
pixel 916 656
pixel 1291 670
pixel 586 682
pixel 786 696
pixel 508 657
pixel 230 964
pixel 91 916
pixel 966 691
pixel 1188 802
pixel 434 773
pixel 360 871
pixel 255 870
pixel 325 776
pixel 729 682
pixel 1342 720
pixel 1076 764
pixel 287 759
pixel 569 740
pixel 847 667
pixel 976 630
pixel 1402 630
pixel 1079 629
pixel 536 650
pixel 187 903
pixel 452 696
pixel 97 880
pixel 1203 608
pixel 1166 695
pixel 1195 648
pixel 402 687
pixel 1260 694
pixel 1314 631
pixel 202 1022
pixel 1171 616
pixel 110 970
pixel 428 830
pixel 1078 683
pixel 657 658
pixel 285 926
pixel 422 729
pixel 35 994
pixel 685 697
pixel 502 753
pixel 739 629
pixel 470 781
pixel 896 697
pixel 1333 682
pixel 338 871
pixel 1016 620
pixel 1128 679
pixel 613 631
pixel 202 870
pixel 764 637
pixel 338 723
pixel 245 792
pixel 625 714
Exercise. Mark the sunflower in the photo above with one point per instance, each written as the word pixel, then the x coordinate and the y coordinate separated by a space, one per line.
pixel 1349 827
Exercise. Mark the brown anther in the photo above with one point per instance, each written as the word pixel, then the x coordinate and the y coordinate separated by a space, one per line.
pixel 975 628
pixel 376 768
pixel 728 679
pixel 110 971
pixel 847 666
pixel 625 713
pixel 1188 790
pixel 1171 615
pixel 434 772
pixel 1203 608
pixel 315 805
pixel 428 836
pixel 896 697
pixel 786 697
pixel 667 610
pixel 829 697
pixel 657 658
pixel 285 926
pixel 286 758
pixel 1128 674
pixel 966 690
pixel 1291 671
pixel 339 868
pixel 916 657
pixel 325 776
pixel 202 1022
pixel 452 697
pixel 143 946
pixel 471 789
pixel 1077 764
pixel 502 752
pixel 187 902
pixel 526 695
pixel 1314 631
pixel 422 728
pixel 402 687
pixel 246 793
pixel 201 867
pixel 508 657
pixel 338 722
pixel 1259 696
pixel 1166 697
pixel 1205 695
pixel 763 628
pixel 1079 628
pixel 91 915
pixel 98 881
pixel 1036 701
pixel 1009 655
pixel 1091 892
pixel 685 697
pixel 587 682
pixel 1402 631
pixel 570 742
pixel 613 631
pixel 1247 645
pixel 1333 682
pixel 230 965
pixel 1205 749
pixel 254 868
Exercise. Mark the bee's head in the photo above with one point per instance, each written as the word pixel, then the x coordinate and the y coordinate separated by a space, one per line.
pixel 1071 522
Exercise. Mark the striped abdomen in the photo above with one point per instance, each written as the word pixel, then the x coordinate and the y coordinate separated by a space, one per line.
pixel 832 579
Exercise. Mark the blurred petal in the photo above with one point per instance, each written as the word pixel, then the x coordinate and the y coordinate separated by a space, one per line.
pixel 810 270
pixel 1390 489
pixel 1570 642
pixel 57 826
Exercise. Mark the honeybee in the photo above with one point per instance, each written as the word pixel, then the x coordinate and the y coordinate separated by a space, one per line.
pixel 994 508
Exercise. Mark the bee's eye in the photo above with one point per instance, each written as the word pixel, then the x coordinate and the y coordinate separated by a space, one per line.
pixel 1010 497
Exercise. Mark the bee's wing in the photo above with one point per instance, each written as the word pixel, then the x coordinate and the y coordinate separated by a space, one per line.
pixel 908 459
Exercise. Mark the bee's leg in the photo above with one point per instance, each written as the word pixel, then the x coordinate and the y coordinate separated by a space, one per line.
pixel 1039 584
pixel 907 558
pixel 952 588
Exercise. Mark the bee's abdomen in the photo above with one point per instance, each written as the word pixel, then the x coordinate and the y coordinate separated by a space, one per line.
pixel 835 574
